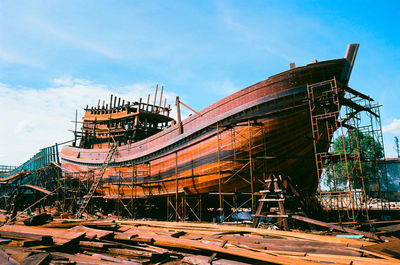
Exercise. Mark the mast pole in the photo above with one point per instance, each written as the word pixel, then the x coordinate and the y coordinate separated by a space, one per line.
pixel 155 98
pixel 178 110
pixel 76 124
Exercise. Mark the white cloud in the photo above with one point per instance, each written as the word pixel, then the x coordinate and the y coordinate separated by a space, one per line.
pixel 24 126
pixel 71 38
pixel 393 127
pixel 11 56
pixel 36 118
pixel 221 88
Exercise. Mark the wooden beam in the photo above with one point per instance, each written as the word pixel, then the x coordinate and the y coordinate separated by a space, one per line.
pixel 335 227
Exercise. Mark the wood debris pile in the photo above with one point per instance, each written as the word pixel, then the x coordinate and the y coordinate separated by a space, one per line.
pixel 150 242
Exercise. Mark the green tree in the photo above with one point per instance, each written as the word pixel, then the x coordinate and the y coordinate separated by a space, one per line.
pixel 362 152
pixel 396 146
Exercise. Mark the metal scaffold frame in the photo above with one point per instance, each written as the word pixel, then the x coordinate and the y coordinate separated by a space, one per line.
pixel 337 112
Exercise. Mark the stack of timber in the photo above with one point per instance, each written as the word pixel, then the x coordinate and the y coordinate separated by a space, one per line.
pixel 151 242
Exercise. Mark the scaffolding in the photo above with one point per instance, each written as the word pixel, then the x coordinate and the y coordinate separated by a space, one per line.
pixel 338 118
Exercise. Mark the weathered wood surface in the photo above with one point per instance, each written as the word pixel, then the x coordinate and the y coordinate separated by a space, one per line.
pixel 150 242
pixel 334 227
pixel 214 229
pixel 278 102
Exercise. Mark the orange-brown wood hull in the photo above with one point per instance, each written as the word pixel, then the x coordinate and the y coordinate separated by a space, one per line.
pixel 270 119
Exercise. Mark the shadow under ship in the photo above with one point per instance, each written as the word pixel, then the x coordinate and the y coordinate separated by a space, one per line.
pixel 227 147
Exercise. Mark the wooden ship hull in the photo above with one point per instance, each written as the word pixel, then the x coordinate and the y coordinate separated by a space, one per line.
pixel 227 147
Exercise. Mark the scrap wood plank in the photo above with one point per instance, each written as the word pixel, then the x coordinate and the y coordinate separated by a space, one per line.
pixel 299 249
pixel 379 255
pixel 60 236
pixel 213 229
pixel 334 227
pixel 204 260
pixel 132 252
pixel 339 260
pixel 295 246
pixel 37 259
pixel 94 244
pixel 27 243
pixel 6 259
pixel 138 235
pixel 389 228
pixel 84 259
pixel 91 233
pixel 20 256
pixel 114 260
pixel 281 242
pixel 63 223
pixel 147 248
pixel 336 258
pixel 45 239
pixel 391 248
pixel 199 246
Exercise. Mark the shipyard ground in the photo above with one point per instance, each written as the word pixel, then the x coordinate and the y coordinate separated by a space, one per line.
pixel 112 240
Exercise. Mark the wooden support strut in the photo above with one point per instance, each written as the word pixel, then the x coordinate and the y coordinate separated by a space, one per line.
pixel 277 197
pixel 178 109
pixel 97 179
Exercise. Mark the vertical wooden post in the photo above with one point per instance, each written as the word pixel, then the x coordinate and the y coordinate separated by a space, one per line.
pixel 155 98
pixel 133 186
pixel 251 170
pixel 76 125
pixel 219 176
pixel 119 193
pixel 147 105
pixel 178 110
pixel 177 185
pixel 159 105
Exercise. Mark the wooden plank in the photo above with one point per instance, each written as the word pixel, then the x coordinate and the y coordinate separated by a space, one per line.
pixel 45 239
pixel 131 252
pixel 391 248
pixel 60 236
pixel 91 233
pixel 181 243
pixel 84 259
pixel 334 227
pixel 373 253
pixel 37 259
pixel 19 257
pixel 215 229
pixel 108 258
pixel 94 244
pixel 5 259
pixel 389 228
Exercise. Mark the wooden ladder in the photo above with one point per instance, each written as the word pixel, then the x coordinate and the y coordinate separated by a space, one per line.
pixel 98 178
pixel 273 193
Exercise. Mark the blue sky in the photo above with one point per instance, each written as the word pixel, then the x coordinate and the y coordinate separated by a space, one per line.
pixel 56 56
